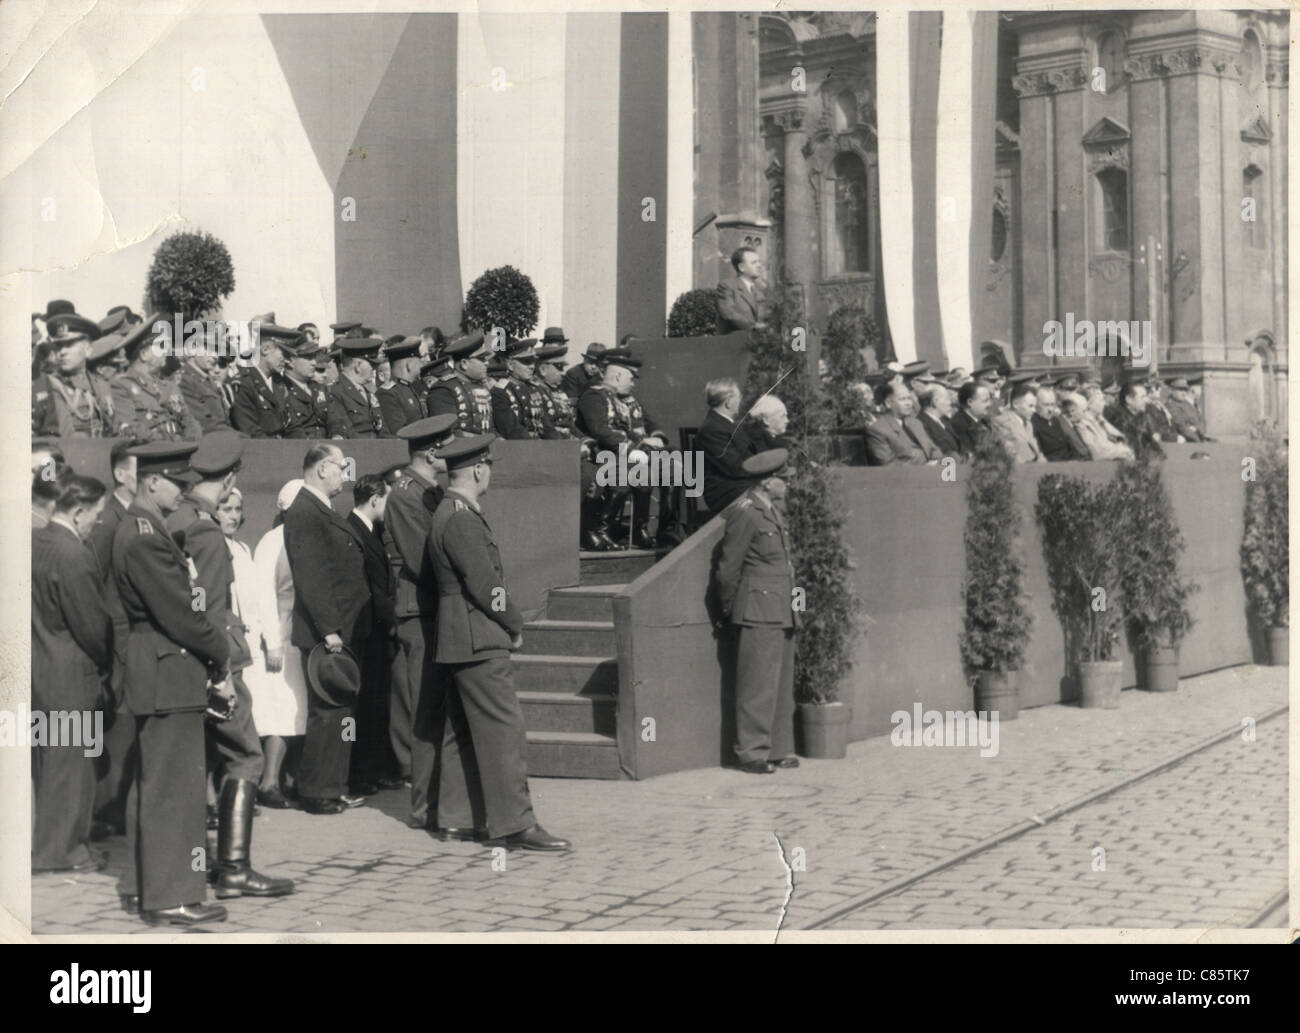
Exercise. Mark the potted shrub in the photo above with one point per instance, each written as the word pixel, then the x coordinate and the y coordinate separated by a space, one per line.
pixel 501 298
pixel 1155 594
pixel 190 275
pixel 996 620
pixel 694 314
pixel 1082 528
pixel 1264 544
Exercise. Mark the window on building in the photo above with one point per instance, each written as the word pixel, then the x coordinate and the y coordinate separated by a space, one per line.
pixel 1252 194
pixel 1110 57
pixel 999 239
pixel 850 250
pixel 846 111
pixel 1251 59
pixel 1113 210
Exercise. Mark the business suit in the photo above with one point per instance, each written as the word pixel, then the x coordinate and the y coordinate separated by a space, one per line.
pixel 476 622
pixel 756 592
pixel 72 647
pixel 1058 440
pixel 372 755
pixel 889 443
pixel 171 652
pixel 726 445
pixel 740 306
pixel 1018 439
pixel 331 597
pixel 577 379
pixel 939 431
pixel 1186 419
pixel 968 431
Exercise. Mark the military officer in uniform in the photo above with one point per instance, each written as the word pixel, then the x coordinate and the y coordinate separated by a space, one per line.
pixel 416 717
pixel 305 401
pixel 173 652
pixel 70 401
pixel 149 409
pixel 234 749
pixel 588 373
pixel 465 394
pixel 433 373
pixel 401 400
pixel 352 411
pixel 72 635
pixel 202 391
pixel 519 411
pixel 559 415
pixel 258 407
pixel 756 593
pixel 477 628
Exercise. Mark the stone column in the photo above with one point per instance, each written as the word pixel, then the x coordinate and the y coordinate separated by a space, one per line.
pixel 800 216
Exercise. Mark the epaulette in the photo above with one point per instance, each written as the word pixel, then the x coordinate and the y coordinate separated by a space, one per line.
pixel 143 526
pixel 744 502
pixel 459 504
pixel 204 514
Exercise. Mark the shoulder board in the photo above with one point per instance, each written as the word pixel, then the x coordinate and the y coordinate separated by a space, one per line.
pixel 387 387
pixel 143 526
pixel 744 502
pixel 203 514
pixel 404 481
pixel 458 505
pixel 42 395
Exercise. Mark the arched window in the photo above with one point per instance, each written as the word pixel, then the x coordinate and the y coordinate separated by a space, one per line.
pixel 1252 208
pixel 850 250
pixel 1112 210
pixel 846 111
pixel 1111 50
pixel 1251 59
pixel 1259 382
pixel 999 239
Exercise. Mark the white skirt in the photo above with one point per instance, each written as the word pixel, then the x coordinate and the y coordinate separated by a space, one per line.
pixel 279 697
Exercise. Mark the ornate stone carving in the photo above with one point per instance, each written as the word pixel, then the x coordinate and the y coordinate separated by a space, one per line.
pixel 1110 267
pixel 1052 80
pixel 1277 73
pixel 1181 61
pixel 791 120
pixel 1106 145
pixel 1256 131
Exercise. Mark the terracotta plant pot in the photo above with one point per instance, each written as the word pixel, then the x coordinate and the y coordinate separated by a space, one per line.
pixel 1160 669
pixel 825 729
pixel 1099 682
pixel 1000 691
pixel 1279 647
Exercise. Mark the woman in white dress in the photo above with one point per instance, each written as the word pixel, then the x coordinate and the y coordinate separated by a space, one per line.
pixel 277 687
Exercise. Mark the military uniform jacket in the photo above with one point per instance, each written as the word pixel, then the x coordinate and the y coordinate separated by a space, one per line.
pixel 557 413
pixel 171 648
pixel 519 411
pixel 204 399
pixel 257 408
pixel 195 529
pixel 408 515
pixel 350 414
pixel 476 618
pixel 61 408
pixel 150 410
pixel 755 575
pixel 305 406
pixel 72 632
pixel 605 417
pixel 399 404
pixel 577 380
pixel 470 403
pixel 331 594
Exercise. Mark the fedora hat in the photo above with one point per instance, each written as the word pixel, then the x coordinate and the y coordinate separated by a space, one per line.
pixel 334 677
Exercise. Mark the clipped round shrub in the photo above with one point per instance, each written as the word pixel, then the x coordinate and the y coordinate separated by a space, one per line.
pixel 502 297
pixel 191 274
pixel 694 314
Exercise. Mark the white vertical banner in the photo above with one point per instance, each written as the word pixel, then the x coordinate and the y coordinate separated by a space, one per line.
pixel 954 177
pixel 894 143
pixel 679 261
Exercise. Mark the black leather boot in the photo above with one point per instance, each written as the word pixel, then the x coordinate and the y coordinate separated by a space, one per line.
pixel 610 509
pixel 235 876
pixel 593 537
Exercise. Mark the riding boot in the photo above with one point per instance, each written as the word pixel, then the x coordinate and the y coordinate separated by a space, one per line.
pixel 235 875
pixel 610 509
pixel 593 537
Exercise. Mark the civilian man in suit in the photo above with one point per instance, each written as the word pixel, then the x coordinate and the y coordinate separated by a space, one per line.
pixel 895 438
pixel 1129 415
pixel 935 418
pixel 478 627
pixel 373 764
pixel 172 653
pixel 1015 428
pixel 72 636
pixel 756 593
pixel 589 373
pixel 741 302
pixel 331 604
pixel 725 445
pixel 1057 438
pixel 1185 416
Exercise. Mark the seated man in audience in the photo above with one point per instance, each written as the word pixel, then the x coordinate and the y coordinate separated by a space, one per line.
pixel 1130 416
pixel 1056 436
pixel 1185 416
pixel 936 418
pixel 725 445
pixel 1099 443
pixel 766 424
pixel 896 438
pixel 1014 425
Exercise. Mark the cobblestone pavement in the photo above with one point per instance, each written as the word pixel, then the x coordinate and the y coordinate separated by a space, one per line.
pixel 719 850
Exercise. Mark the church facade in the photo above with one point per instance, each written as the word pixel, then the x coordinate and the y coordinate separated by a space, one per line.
pixel 1139 171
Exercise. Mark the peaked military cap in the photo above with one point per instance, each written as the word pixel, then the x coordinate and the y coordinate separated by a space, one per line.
pixel 137 336
pixel 68 327
pixel 277 333
pixel 1069 382
pixel 217 453
pixel 359 348
pixel 434 431
pixel 402 348
pixel 114 321
pixel 466 451
pixel 764 464
pixel 343 329
pixel 521 350
pixel 621 357
pixel 169 458
pixel 106 346
pixel 1178 383
pixel 434 365
pixel 915 369
pixel 550 351
pixel 464 347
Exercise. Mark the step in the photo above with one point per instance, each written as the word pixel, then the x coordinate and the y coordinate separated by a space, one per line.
pixel 552 672
pixel 618 567
pixel 569 712
pixel 582 603
pixel 578 638
pixel 573 755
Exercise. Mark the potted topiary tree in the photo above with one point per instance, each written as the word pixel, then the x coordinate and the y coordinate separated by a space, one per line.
pixel 190 275
pixel 1264 545
pixel 1082 527
pixel 501 298
pixel 996 621
pixel 694 314
pixel 1155 593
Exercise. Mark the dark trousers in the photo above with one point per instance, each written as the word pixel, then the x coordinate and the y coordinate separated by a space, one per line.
pixel 165 811
pixel 63 780
pixel 397 692
pixel 488 722
pixel 234 750
pixel 326 753
pixel 441 775
pixel 112 767
pixel 764 693
pixel 372 756
pixel 414 657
